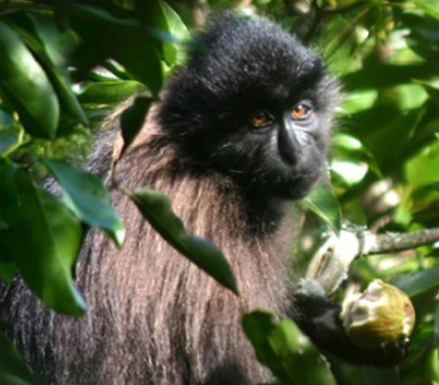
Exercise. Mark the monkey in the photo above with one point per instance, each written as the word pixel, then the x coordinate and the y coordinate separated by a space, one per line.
pixel 238 136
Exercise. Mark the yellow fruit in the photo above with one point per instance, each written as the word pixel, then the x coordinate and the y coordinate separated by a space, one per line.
pixel 383 313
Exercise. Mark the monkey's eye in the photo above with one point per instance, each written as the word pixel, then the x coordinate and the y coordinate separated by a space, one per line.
pixel 260 119
pixel 300 111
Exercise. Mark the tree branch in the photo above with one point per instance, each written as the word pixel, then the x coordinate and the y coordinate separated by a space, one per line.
pixel 331 263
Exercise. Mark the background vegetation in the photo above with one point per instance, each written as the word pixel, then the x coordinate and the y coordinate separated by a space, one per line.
pixel 64 65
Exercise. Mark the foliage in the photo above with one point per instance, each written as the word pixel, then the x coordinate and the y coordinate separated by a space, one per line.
pixel 66 65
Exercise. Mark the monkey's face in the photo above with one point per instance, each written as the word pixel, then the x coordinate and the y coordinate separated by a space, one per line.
pixel 277 148
pixel 255 105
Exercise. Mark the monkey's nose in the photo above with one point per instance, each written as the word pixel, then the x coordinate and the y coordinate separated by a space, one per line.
pixel 288 145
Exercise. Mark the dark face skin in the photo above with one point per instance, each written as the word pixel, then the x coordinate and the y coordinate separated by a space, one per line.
pixel 278 150
pixel 254 104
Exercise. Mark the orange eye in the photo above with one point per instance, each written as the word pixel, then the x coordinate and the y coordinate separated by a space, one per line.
pixel 260 119
pixel 300 111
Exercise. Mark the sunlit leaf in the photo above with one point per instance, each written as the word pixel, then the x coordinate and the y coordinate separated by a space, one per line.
pixel 171 23
pixel 87 197
pixel 282 348
pixel 429 6
pixel 323 203
pixel 432 91
pixel 156 208
pixel 25 85
pixel 51 46
pixel 42 237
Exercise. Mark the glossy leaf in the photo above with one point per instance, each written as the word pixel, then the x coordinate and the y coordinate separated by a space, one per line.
pixel 171 24
pixel 51 45
pixel 87 197
pixel 42 237
pixel 13 370
pixel 26 87
pixel 323 203
pixel 156 208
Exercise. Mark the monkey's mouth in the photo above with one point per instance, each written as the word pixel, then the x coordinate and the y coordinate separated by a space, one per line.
pixel 298 187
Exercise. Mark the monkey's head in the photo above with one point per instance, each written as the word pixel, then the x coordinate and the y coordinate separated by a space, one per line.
pixel 254 104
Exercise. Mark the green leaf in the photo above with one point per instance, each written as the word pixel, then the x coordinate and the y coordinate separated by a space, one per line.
pixel 133 119
pixel 143 64
pixel 424 34
pixel 156 208
pixel 126 40
pixel 428 162
pixel 7 270
pixel 170 22
pixel 432 91
pixel 282 348
pixel 324 204
pixel 107 92
pixel 42 237
pixel 379 376
pixel 51 46
pixel 418 282
pixel 11 134
pixel 87 197
pixel 436 325
pixel 25 86
pixel 13 370
pixel 429 6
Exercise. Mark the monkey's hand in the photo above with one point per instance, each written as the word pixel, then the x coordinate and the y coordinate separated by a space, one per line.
pixel 361 335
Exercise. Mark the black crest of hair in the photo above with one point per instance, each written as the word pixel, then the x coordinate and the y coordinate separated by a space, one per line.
pixel 239 134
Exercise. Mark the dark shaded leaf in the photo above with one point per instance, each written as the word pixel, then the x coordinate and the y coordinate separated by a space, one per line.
pixel 127 40
pixel 112 91
pixel 7 271
pixel 42 237
pixel 156 208
pixel 133 119
pixel 387 75
pixel 11 133
pixel 418 282
pixel 87 197
pixel 13 370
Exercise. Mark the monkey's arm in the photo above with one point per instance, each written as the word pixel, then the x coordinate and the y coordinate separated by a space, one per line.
pixel 320 320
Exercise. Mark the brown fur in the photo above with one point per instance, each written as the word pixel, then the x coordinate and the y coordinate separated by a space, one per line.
pixel 154 317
